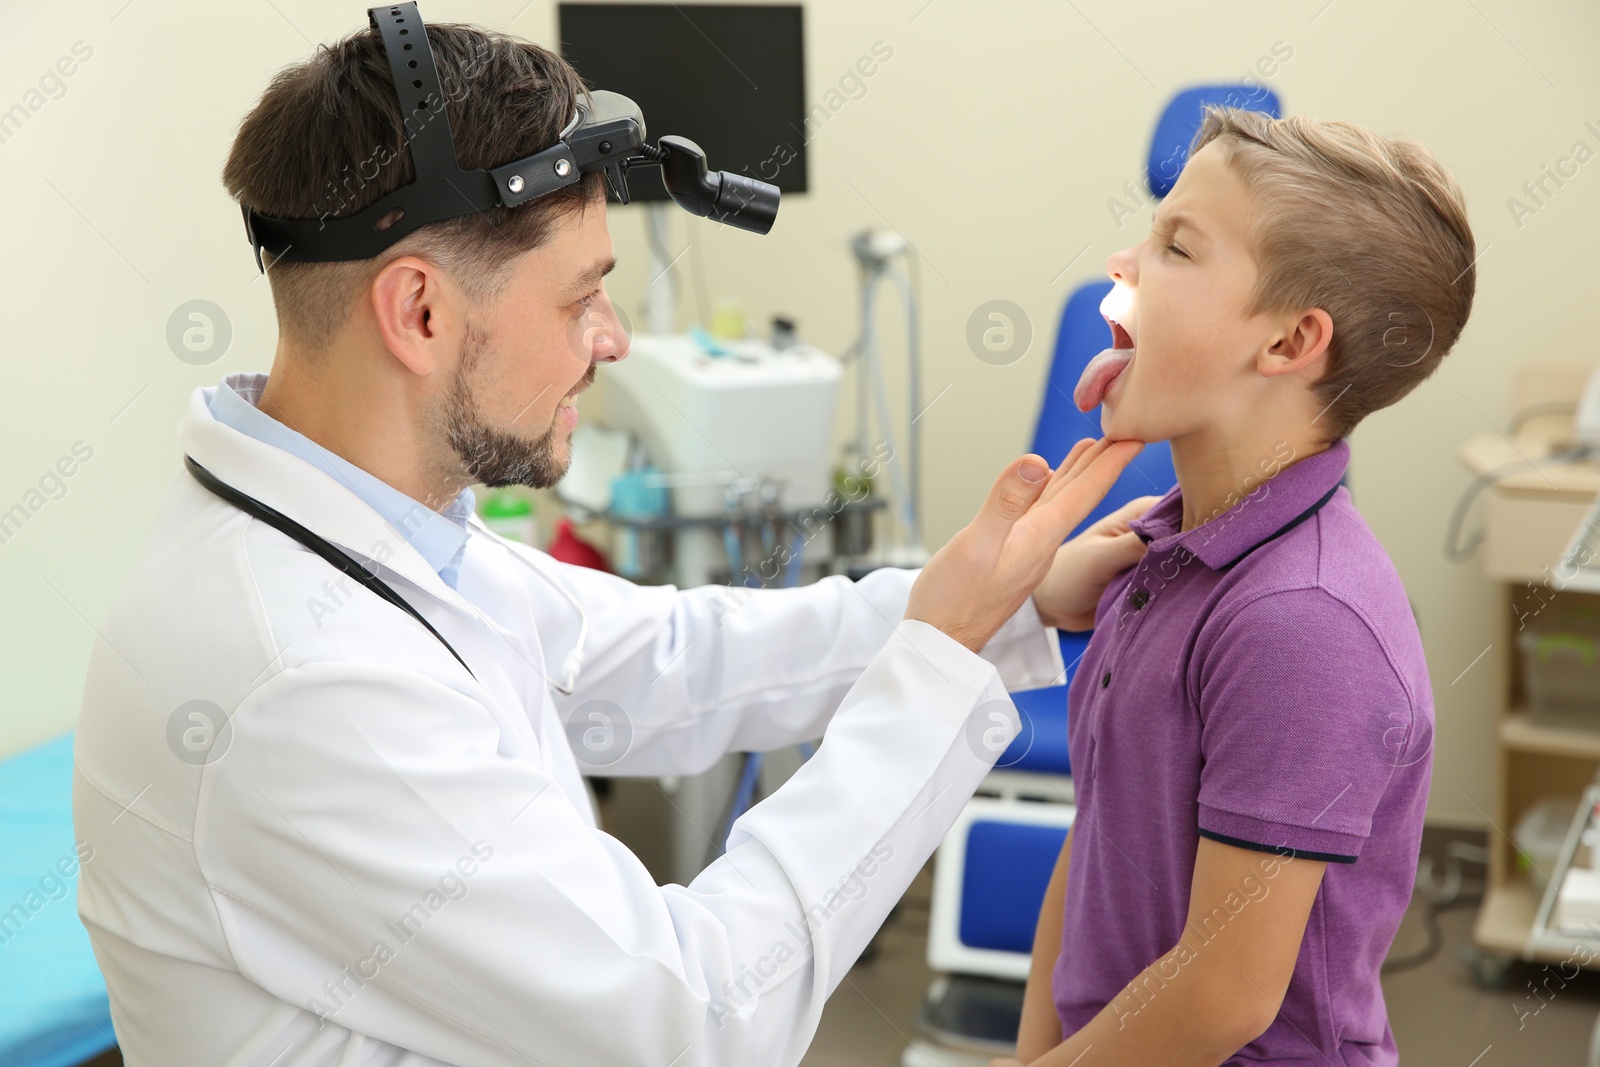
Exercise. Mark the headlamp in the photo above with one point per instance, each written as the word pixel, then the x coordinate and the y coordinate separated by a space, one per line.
pixel 606 134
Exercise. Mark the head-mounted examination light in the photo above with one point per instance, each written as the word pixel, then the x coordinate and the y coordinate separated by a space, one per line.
pixel 606 134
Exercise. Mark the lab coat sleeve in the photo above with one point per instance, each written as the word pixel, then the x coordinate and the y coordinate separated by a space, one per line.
pixel 697 673
pixel 375 859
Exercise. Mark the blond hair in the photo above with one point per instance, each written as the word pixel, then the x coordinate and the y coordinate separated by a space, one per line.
pixel 1369 228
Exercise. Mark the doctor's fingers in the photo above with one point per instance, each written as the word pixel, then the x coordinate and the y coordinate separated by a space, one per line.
pixel 1070 464
pixel 1010 497
pixel 1078 460
pixel 1066 503
pixel 1079 457
pixel 1072 461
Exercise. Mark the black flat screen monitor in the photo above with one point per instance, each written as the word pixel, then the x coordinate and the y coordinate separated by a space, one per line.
pixel 731 78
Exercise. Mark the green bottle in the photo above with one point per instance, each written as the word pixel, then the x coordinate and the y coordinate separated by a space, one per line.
pixel 511 516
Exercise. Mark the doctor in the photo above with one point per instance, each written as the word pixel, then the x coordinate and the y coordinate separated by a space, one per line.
pixel 330 827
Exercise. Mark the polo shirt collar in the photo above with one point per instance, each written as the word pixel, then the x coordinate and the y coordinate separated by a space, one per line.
pixel 1276 506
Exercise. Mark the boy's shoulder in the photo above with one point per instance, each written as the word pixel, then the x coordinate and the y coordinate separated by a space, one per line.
pixel 1335 553
pixel 1290 573
pixel 1330 583
pixel 1332 546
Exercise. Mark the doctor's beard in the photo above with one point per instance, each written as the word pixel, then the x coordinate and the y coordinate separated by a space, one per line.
pixel 496 457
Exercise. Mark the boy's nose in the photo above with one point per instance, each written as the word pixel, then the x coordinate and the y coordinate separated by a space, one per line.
pixel 1123 267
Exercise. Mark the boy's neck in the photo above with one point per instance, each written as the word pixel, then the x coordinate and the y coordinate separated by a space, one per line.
pixel 1217 471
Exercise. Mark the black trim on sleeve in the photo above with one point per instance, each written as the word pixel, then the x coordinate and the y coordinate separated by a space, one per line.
pixel 1278 850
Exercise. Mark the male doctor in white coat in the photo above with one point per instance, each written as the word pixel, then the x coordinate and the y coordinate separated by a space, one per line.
pixel 320 838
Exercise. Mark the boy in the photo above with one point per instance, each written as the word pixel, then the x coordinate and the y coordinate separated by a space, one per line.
pixel 1251 726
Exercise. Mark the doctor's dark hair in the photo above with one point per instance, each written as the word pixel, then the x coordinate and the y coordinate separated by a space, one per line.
pixel 1369 228
pixel 327 140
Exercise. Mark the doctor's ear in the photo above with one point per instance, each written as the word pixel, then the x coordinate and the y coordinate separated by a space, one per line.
pixel 416 309
pixel 1302 343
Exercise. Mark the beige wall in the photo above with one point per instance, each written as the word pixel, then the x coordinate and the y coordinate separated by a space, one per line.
pixel 992 139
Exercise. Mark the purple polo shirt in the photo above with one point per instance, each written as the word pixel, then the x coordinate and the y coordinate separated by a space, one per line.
pixel 1258 680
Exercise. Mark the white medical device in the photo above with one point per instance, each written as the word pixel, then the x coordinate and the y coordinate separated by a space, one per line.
pixel 1586 424
pixel 753 416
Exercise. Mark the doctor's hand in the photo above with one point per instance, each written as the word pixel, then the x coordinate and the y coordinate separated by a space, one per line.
pixel 981 577
pixel 1085 565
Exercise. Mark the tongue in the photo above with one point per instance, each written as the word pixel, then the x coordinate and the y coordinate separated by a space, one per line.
pixel 1098 376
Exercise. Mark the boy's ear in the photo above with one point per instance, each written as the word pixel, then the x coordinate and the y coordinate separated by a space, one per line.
pixel 1302 343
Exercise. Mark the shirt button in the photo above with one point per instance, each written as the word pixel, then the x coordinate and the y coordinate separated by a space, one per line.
pixel 1105 679
pixel 1139 598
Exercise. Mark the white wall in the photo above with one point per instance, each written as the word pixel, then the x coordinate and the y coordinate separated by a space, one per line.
pixel 992 139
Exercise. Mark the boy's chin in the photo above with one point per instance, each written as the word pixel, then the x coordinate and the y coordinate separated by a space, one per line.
pixel 1121 421
pixel 1117 421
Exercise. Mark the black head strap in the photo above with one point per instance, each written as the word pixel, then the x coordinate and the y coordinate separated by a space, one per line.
pixel 441 189
pixel 606 134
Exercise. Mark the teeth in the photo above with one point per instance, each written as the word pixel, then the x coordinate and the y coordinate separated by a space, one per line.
pixel 1117 308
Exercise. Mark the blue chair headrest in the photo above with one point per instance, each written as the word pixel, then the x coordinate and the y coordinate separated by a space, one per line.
pixel 1169 148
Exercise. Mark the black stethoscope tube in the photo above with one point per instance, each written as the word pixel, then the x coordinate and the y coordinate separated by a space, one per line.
pixel 321 546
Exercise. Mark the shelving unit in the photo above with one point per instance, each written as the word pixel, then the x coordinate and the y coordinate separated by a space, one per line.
pixel 1530 515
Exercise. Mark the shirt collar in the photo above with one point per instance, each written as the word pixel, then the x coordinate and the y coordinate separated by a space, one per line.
pixel 1275 506
pixel 437 536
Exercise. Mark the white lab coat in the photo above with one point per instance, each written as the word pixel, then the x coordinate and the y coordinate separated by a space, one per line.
pixel 393 863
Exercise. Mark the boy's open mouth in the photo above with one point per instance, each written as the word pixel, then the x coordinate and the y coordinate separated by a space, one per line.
pixel 1104 368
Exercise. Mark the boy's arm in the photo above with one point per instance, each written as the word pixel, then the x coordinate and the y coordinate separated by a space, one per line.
pixel 1040 1030
pixel 1220 987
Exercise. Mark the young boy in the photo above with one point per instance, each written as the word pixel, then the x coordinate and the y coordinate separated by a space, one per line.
pixel 1251 727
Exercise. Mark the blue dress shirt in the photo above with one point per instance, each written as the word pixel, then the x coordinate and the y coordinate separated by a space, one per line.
pixel 440 537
